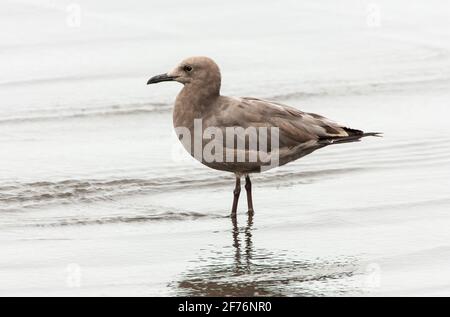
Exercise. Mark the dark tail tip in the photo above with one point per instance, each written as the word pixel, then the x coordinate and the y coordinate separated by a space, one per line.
pixel 348 139
pixel 376 134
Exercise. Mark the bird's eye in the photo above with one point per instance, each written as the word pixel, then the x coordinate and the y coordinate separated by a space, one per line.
pixel 188 68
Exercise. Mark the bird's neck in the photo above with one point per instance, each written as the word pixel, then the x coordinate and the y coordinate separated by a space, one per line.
pixel 193 103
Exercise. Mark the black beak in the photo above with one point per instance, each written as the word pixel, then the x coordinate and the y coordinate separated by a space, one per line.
pixel 160 78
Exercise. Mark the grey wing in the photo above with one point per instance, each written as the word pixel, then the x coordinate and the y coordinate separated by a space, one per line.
pixel 295 126
pixel 299 133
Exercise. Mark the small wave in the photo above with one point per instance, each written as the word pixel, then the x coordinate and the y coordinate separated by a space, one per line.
pixel 72 190
pixel 123 219
pixel 50 80
pixel 390 154
pixel 291 177
pixel 349 89
pixel 20 196
pixel 113 110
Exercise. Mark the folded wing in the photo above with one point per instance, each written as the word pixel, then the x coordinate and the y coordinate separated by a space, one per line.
pixel 295 126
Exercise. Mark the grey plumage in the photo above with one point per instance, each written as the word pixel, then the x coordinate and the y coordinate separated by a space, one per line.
pixel 300 133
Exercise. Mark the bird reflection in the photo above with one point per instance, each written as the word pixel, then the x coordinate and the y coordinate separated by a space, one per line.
pixel 243 270
pixel 240 268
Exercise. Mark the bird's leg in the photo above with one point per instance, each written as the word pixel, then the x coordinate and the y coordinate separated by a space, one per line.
pixel 236 193
pixel 248 188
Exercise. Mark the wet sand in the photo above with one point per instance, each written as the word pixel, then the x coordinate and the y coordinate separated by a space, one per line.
pixel 88 207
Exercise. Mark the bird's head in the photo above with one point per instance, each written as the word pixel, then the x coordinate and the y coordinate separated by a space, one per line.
pixel 197 71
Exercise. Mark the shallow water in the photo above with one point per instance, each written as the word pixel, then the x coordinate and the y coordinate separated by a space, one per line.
pixel 98 198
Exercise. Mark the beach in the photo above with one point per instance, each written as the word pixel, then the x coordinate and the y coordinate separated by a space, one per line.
pixel 98 198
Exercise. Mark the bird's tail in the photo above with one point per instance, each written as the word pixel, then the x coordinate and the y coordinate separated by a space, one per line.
pixel 354 136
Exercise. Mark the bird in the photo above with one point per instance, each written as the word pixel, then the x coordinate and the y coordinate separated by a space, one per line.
pixel 201 111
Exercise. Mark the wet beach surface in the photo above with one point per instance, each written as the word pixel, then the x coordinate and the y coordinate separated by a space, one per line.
pixel 98 198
